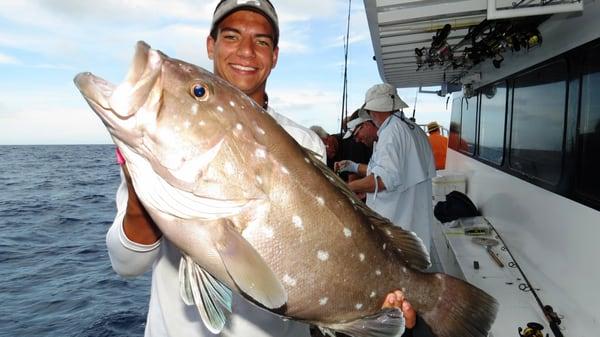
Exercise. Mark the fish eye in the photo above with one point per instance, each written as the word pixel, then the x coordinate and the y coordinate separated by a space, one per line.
pixel 200 91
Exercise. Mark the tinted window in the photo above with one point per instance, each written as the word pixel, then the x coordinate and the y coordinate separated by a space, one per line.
pixel 468 125
pixel 491 123
pixel 454 136
pixel 589 128
pixel 538 122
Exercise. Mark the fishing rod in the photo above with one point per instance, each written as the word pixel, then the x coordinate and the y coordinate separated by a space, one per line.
pixel 551 316
pixel 345 80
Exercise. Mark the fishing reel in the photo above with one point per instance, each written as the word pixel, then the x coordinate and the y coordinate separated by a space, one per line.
pixel 532 330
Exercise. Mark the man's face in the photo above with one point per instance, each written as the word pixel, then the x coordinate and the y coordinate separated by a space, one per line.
pixel 366 133
pixel 244 52
pixel 331 145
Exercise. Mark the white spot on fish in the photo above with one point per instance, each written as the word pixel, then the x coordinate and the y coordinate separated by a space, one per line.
pixel 388 232
pixel 285 170
pixel 187 124
pixel 320 200
pixel 239 127
pixel 372 228
pixel 347 232
pixel 438 276
pixel 404 270
pixel 290 281
pixel 232 103
pixel 261 131
pixel 361 257
pixel 220 109
pixel 373 294
pixel 384 245
pixel 259 180
pixel 399 250
pixel 268 232
pixel 195 109
pixel 306 159
pixel 358 306
pixel 377 272
pixel 297 221
pixel 229 168
pixel 322 255
pixel 260 153
pixel 323 301
pixel 202 123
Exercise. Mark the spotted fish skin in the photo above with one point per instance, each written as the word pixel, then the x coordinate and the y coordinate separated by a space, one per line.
pixel 263 216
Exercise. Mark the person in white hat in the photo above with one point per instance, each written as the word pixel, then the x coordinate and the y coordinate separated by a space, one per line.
pixel 397 179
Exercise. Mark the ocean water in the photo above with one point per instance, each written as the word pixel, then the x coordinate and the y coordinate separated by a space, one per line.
pixel 56 204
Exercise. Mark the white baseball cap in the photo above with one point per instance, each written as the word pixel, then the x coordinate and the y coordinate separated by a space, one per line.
pixel 383 98
pixel 355 123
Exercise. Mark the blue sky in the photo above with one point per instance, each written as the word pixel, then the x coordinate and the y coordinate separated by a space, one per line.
pixel 45 43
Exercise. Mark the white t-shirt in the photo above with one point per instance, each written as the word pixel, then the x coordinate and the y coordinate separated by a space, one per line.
pixel 403 159
pixel 167 314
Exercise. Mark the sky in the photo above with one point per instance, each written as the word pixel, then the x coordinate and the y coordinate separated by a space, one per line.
pixel 45 43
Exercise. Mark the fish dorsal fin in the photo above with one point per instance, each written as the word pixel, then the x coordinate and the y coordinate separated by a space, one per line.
pixel 386 323
pixel 405 244
pixel 247 268
pixel 199 288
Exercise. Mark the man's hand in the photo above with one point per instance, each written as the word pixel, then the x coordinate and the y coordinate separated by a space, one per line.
pixel 138 226
pixel 345 166
pixel 397 300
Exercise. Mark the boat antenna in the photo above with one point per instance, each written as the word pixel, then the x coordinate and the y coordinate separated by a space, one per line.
pixel 345 80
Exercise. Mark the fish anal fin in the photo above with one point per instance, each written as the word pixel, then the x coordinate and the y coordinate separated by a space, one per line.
pixel 211 297
pixel 385 323
pixel 247 268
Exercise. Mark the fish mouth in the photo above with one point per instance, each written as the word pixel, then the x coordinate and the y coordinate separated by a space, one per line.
pixel 113 103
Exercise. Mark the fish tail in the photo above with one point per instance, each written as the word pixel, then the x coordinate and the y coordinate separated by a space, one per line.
pixel 462 310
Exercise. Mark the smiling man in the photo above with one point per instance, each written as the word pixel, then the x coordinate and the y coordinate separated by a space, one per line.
pixel 243 45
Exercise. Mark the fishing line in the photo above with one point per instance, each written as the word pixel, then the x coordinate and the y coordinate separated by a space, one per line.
pixel 552 317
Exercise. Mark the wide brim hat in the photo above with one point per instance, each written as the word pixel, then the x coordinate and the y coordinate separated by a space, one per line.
pixel 383 98
pixel 432 126
pixel 263 7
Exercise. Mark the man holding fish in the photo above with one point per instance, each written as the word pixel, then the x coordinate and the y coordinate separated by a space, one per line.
pixel 244 51
pixel 205 211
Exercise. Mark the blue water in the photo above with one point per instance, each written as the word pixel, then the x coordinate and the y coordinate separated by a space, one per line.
pixel 56 204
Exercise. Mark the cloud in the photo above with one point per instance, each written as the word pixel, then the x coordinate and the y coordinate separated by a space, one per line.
pixel 308 105
pixel 7 59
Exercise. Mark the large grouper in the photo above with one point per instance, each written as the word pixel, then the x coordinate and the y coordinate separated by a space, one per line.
pixel 254 212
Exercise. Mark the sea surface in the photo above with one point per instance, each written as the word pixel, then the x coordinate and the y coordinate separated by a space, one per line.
pixel 56 204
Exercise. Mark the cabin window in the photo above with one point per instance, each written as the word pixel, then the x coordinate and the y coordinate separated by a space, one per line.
pixel 491 123
pixel 539 99
pixel 589 128
pixel 468 125
pixel 454 136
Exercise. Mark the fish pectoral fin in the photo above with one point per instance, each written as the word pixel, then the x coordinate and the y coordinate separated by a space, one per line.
pixel 386 323
pixel 199 288
pixel 248 269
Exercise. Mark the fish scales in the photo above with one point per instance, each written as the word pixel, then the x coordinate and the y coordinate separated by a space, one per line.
pixel 252 210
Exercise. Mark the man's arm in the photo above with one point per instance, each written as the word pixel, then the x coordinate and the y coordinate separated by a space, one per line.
pixel 128 257
pixel 366 184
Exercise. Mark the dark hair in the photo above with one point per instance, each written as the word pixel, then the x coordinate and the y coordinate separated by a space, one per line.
pixel 215 28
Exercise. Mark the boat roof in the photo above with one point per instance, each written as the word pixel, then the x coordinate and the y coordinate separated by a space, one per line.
pixel 399 27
